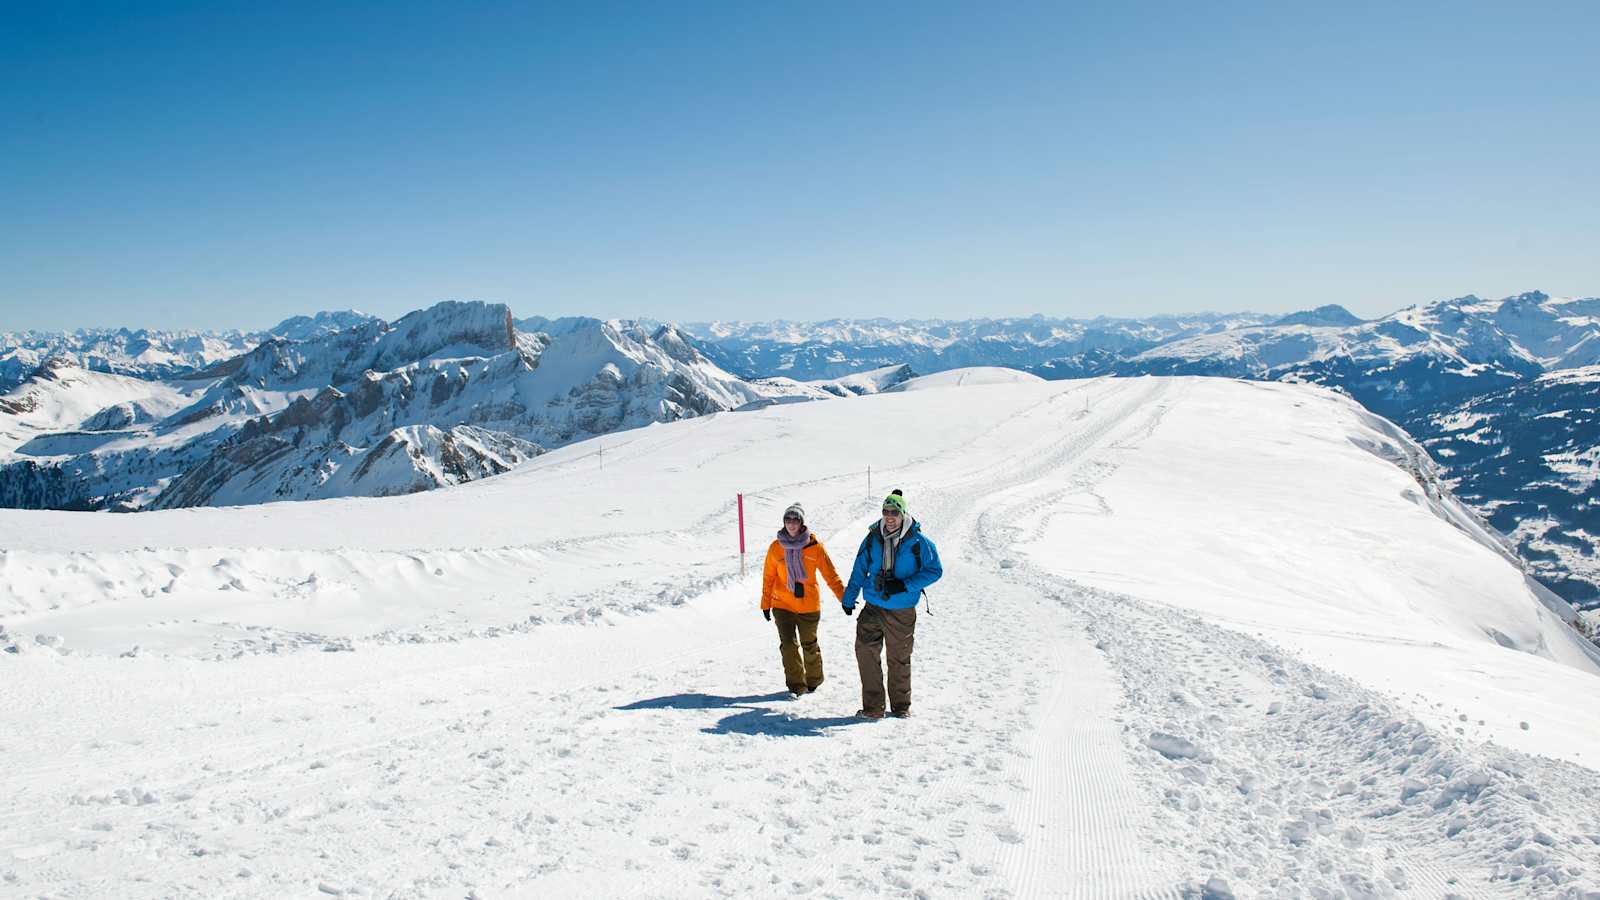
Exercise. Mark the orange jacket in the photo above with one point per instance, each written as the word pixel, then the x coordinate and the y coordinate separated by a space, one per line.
pixel 775 591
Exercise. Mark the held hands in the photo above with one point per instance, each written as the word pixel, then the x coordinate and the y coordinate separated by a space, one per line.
pixel 766 614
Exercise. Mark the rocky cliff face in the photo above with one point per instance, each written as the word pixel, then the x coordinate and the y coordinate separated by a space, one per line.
pixel 444 418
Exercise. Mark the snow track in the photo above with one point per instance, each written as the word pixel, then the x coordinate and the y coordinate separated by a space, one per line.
pixel 1066 741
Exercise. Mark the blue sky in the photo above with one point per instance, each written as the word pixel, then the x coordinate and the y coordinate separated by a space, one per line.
pixel 218 165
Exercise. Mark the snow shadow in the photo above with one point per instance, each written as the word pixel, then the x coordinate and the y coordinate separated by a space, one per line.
pixel 703 701
pixel 760 720
pixel 750 719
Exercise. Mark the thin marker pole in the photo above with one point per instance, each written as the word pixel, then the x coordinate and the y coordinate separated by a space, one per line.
pixel 741 535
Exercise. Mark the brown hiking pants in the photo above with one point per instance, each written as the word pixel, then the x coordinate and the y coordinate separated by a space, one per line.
pixel 875 628
pixel 797 644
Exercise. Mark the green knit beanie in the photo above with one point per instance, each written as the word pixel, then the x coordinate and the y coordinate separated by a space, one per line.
pixel 895 500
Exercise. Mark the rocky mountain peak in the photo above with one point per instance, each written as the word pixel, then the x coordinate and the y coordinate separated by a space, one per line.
pixel 1331 314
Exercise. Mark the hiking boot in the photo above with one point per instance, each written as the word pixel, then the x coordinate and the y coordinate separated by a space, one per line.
pixel 901 713
pixel 869 714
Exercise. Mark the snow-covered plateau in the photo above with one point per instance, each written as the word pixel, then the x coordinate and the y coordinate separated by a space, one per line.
pixel 1197 637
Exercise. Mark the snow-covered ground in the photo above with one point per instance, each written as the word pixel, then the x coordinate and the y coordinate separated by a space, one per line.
pixel 1196 636
pixel 973 377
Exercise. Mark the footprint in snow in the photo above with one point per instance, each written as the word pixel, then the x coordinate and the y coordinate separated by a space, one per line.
pixel 1008 834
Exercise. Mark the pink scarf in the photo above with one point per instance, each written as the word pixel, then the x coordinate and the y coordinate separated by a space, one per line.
pixel 794 554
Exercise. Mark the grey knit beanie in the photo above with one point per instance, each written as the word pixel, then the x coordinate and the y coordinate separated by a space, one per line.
pixel 795 509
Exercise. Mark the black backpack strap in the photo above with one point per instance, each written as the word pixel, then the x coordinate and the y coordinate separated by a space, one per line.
pixel 866 540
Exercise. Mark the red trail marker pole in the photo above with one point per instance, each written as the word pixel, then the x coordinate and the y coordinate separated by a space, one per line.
pixel 741 535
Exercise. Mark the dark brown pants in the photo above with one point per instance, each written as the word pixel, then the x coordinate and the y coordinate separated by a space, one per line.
pixel 875 628
pixel 797 644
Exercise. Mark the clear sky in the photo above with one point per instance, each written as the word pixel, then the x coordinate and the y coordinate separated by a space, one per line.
pixel 226 165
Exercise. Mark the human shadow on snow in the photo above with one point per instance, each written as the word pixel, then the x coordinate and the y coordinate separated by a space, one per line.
pixel 761 720
pixel 750 719
pixel 702 701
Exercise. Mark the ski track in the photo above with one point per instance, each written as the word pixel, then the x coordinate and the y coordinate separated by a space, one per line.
pixel 1026 771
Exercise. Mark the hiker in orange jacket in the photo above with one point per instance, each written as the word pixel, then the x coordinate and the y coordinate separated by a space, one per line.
pixel 789 597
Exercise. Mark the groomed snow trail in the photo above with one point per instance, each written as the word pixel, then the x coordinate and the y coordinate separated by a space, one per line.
pixel 1066 742
pixel 653 758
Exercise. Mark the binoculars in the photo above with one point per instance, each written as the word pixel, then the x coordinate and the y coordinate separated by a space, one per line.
pixel 879 581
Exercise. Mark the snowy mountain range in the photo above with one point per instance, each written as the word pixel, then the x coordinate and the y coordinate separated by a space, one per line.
pixel 354 406
pixel 837 347
pixel 149 353
pixel 344 404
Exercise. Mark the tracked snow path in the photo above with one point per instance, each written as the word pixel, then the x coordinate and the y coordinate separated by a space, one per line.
pixel 655 757
pixel 1066 742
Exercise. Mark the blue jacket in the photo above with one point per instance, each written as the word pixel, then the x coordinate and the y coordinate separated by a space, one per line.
pixel 869 560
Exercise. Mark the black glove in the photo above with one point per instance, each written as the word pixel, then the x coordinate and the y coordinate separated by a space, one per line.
pixel 849 610
pixel 766 614
pixel 799 590
pixel 893 586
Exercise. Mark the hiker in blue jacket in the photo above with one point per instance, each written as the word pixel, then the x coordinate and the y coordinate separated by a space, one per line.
pixel 895 564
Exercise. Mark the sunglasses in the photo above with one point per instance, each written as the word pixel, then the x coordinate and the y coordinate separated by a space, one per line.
pixel 890 511
pixel 793 519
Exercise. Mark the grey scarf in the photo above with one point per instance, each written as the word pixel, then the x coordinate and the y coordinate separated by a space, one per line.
pixel 794 555
pixel 891 540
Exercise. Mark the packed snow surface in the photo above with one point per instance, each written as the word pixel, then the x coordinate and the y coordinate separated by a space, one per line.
pixel 974 376
pixel 1196 637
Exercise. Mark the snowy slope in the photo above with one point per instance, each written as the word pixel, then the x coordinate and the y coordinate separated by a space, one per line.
pixel 979 375
pixel 779 389
pixel 60 396
pixel 63 410
pixel 873 381
pixel 1429 367
pixel 1163 662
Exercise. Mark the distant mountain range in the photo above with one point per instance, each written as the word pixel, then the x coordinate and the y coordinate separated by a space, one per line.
pixel 810 351
pixel 352 406
pixel 151 354
pixel 1503 392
